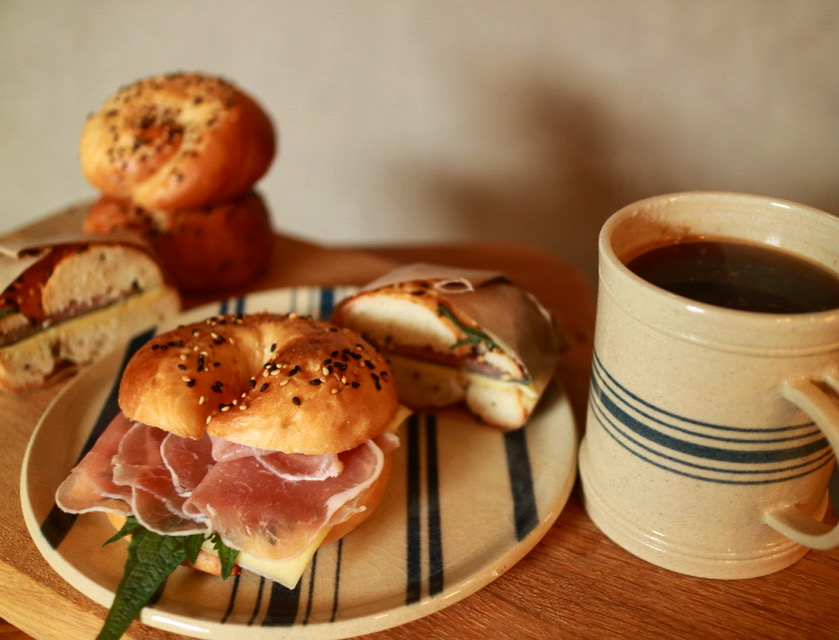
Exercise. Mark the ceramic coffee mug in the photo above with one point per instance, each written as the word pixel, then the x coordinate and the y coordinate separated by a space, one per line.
pixel 711 432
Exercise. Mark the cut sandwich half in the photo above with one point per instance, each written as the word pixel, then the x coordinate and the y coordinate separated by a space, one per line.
pixel 458 339
pixel 65 305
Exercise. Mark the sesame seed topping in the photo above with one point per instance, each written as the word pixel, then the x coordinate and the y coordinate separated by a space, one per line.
pixel 296 400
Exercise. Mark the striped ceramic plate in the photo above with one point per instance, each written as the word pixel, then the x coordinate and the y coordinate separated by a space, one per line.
pixel 463 505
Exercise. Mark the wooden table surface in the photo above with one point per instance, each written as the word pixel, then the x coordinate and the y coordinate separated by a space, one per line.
pixel 574 584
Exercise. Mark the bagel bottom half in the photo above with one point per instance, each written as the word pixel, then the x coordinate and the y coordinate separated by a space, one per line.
pixel 203 249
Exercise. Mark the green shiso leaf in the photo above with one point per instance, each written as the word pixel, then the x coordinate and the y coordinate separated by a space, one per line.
pixel 226 555
pixel 151 559
pixel 473 336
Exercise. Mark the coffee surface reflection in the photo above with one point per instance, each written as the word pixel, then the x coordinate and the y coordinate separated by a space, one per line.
pixel 739 275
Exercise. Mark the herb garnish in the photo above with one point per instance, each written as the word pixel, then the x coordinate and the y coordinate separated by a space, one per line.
pixel 151 559
pixel 473 336
pixel 7 311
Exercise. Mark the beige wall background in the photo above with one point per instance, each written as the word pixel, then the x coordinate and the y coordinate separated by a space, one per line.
pixel 445 120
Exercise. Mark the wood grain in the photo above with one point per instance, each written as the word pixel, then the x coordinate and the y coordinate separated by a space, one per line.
pixel 574 584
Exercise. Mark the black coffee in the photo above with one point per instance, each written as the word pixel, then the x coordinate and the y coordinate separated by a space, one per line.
pixel 749 277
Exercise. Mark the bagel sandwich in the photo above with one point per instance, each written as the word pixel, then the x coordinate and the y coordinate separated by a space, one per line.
pixel 67 301
pixel 469 341
pixel 266 436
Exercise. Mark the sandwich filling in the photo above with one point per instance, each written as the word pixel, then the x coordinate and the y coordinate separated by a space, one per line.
pixel 267 504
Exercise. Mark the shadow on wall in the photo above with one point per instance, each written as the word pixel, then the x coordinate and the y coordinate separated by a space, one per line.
pixel 563 190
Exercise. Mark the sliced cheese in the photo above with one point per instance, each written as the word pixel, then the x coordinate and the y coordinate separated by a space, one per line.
pixel 287 571
pixel 402 414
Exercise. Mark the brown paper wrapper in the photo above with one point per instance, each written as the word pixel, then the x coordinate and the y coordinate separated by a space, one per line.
pixel 512 317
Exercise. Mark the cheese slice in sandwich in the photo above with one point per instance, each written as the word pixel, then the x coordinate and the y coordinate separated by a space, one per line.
pixel 455 338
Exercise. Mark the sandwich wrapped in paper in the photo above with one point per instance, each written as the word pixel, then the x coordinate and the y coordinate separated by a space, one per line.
pixel 68 298
pixel 458 339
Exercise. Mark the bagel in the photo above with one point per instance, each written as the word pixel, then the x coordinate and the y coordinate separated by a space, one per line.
pixel 280 382
pixel 204 249
pixel 177 141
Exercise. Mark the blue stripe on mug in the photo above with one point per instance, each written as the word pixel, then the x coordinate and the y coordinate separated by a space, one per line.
pixel 696 449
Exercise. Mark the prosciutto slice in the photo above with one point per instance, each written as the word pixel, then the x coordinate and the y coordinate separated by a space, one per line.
pixel 188 461
pixel 90 485
pixel 289 513
pixel 155 500
pixel 268 503
pixel 292 466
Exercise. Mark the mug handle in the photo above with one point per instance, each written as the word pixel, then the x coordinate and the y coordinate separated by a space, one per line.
pixel 824 410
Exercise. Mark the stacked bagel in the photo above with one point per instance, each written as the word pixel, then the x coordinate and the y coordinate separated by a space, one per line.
pixel 176 159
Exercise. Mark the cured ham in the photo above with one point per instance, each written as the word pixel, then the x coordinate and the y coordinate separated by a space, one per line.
pixel 292 466
pixel 268 503
pixel 90 485
pixel 155 499
pixel 290 513
pixel 188 460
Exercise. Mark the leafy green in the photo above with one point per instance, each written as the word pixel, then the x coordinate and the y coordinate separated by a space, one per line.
pixel 151 559
pixel 8 310
pixel 473 336
pixel 226 555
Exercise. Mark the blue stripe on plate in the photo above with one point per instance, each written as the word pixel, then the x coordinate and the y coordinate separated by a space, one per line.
pixel 327 302
pixel 283 604
pixel 258 603
pixel 57 524
pixel 231 305
pixel 414 540
pixel 337 583
pixel 230 603
pixel 423 450
pixel 435 535
pixel 525 513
